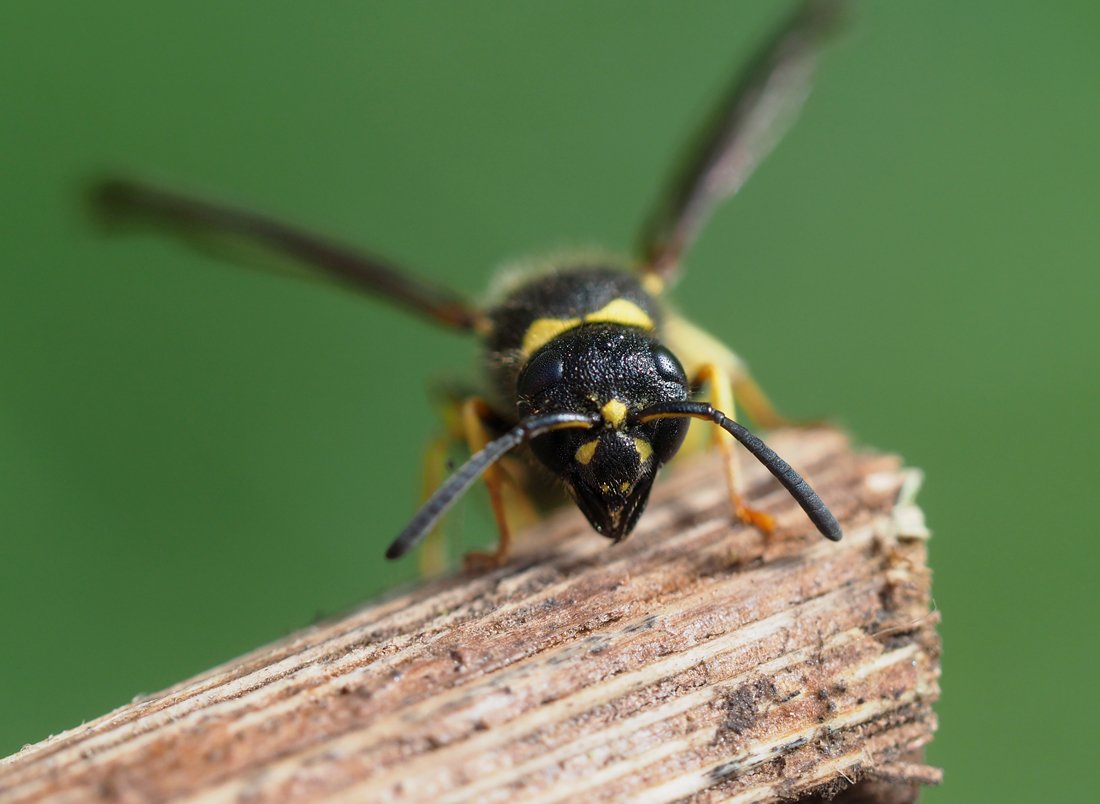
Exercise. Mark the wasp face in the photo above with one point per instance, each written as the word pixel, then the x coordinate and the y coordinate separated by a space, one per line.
pixel 612 371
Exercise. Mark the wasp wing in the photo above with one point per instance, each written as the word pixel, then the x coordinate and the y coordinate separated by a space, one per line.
pixel 123 200
pixel 749 123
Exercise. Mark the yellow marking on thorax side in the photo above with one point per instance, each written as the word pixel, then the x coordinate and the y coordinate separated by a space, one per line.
pixel 586 450
pixel 653 284
pixel 617 311
pixel 613 412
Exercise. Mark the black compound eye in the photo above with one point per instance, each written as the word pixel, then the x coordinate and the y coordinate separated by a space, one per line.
pixel 667 438
pixel 667 365
pixel 544 371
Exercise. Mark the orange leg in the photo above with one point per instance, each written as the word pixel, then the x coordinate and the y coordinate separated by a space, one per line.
pixel 466 421
pixel 475 412
pixel 720 392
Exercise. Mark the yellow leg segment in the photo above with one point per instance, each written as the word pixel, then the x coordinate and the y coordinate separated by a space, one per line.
pixel 757 405
pixel 466 422
pixel 475 412
pixel 432 557
pixel 720 393
pixel 760 408
pixel 697 349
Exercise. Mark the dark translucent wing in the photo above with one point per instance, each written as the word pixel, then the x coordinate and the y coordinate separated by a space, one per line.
pixel 124 200
pixel 751 120
pixel 457 484
pixel 803 494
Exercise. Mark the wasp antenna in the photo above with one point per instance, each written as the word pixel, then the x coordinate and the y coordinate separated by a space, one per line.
pixel 457 484
pixel 805 496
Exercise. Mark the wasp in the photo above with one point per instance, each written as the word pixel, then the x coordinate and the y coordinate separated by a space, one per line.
pixel 587 367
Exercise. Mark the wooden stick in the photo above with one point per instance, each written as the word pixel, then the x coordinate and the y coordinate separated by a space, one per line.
pixel 695 660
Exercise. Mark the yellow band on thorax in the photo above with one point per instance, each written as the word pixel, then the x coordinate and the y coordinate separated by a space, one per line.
pixel 617 311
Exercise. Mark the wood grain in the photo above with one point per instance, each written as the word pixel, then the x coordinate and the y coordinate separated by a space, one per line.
pixel 695 661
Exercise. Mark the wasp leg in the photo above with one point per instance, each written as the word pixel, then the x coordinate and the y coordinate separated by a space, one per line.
pixel 432 558
pixel 470 422
pixel 720 390
pixel 697 348
pixel 476 419
pixel 760 408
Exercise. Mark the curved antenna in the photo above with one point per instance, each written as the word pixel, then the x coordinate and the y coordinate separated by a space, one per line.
pixel 121 199
pixel 805 496
pixel 447 494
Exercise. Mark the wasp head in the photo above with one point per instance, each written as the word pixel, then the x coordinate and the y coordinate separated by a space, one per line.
pixel 611 371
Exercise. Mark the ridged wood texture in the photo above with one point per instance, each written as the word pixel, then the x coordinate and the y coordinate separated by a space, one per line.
pixel 695 661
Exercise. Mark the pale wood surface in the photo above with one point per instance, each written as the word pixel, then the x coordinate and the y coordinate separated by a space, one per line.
pixel 694 661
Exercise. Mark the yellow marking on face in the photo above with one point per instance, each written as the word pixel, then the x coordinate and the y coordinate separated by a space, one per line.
pixel 586 450
pixel 613 412
pixel 605 488
pixel 617 311
pixel 624 487
pixel 643 448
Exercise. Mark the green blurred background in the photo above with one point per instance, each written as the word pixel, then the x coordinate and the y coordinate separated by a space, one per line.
pixel 195 460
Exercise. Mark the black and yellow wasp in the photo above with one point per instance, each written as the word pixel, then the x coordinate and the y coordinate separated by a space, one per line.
pixel 586 364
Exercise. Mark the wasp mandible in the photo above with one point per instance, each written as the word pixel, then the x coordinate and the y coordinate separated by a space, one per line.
pixel 586 365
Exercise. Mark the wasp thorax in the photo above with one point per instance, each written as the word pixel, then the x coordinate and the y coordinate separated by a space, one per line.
pixel 612 372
